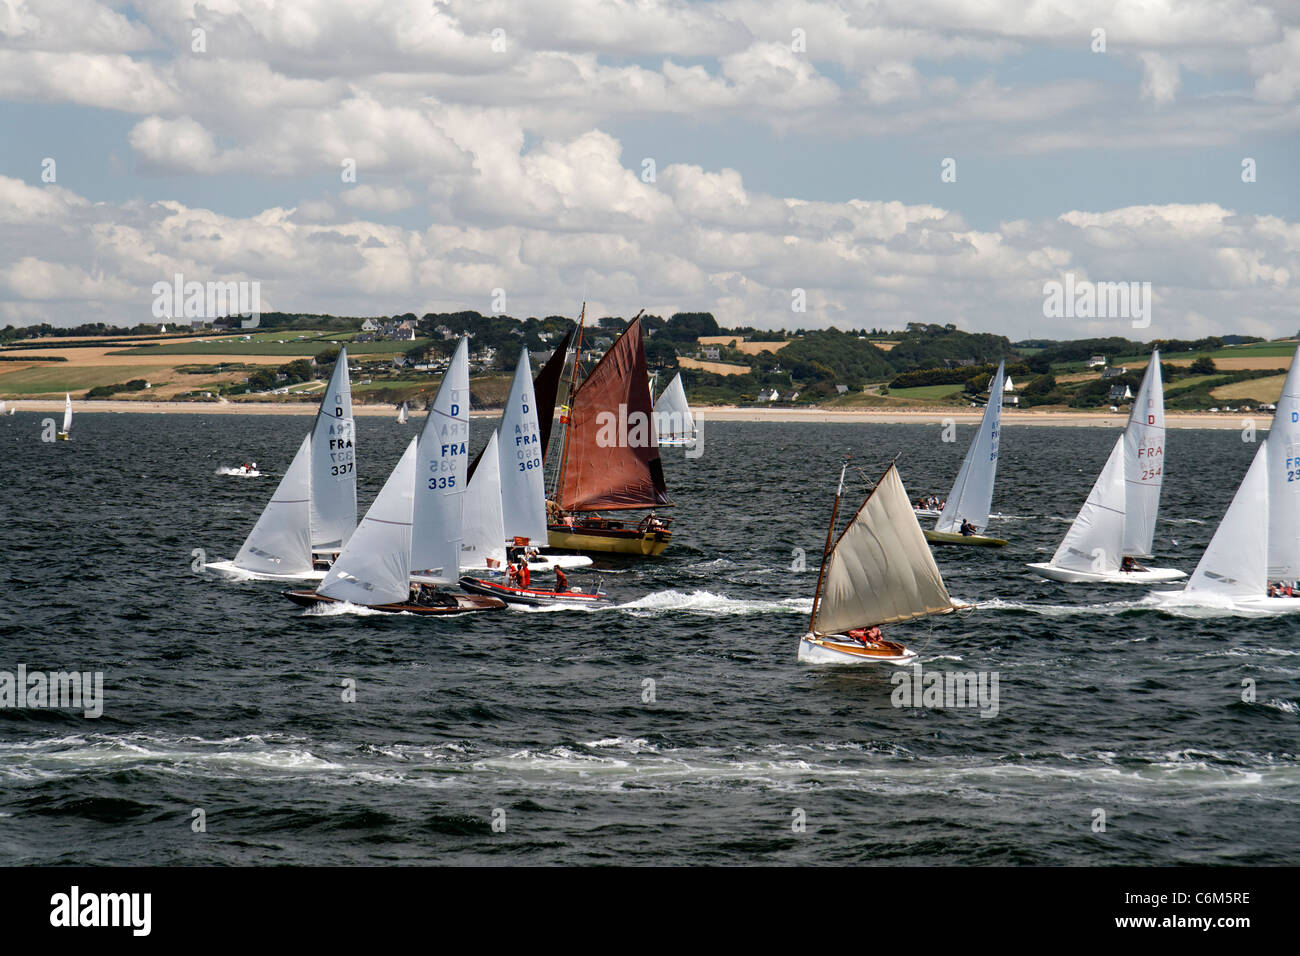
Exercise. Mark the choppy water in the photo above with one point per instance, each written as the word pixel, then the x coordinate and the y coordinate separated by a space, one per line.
pixel 223 697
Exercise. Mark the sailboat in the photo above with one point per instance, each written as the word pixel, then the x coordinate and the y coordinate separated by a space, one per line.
pixel 64 433
pixel 413 532
pixel 6 410
pixel 314 509
pixel 402 413
pixel 879 571
pixel 483 544
pixel 609 458
pixel 972 492
pixel 1118 519
pixel 674 424
pixel 1258 540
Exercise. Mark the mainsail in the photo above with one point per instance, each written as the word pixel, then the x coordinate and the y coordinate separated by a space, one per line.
pixel 375 565
pixel 401 414
pixel 972 493
pixel 441 475
pixel 522 479
pixel 1095 539
pixel 673 420
pixel 1284 480
pixel 1144 460
pixel 280 542
pixel 611 458
pixel 546 389
pixel 483 542
pixel 880 570
pixel 1236 562
pixel 333 463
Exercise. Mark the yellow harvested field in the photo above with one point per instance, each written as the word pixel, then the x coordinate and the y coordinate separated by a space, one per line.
pixel 92 356
pixel 717 368
pixel 1260 389
pixel 735 342
pixel 1237 364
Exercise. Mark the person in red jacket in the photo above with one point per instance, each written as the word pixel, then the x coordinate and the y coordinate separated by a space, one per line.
pixel 561 581
pixel 524 574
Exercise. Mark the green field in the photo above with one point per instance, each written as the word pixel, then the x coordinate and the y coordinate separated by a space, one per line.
pixel 926 393
pixel 59 377
pixel 268 344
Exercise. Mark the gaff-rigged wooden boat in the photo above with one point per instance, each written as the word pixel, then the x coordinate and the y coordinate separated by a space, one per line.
pixel 1258 540
pixel 1118 519
pixel 972 493
pixel 537 597
pixel 879 571
pixel 609 456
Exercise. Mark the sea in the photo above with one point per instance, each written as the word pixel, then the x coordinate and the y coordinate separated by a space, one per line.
pixel 674 727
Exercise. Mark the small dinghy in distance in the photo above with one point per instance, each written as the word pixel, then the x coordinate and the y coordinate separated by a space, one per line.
pixel 862 585
pixel 1117 523
pixel 972 493
pixel 535 597
pixel 1258 541
pixel 65 433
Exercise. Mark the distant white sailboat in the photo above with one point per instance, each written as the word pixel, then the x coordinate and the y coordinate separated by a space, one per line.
pixel 972 493
pixel 65 433
pixel 1258 541
pixel 321 487
pixel 5 409
pixel 1118 520
pixel 402 413
pixel 674 424
pixel 879 571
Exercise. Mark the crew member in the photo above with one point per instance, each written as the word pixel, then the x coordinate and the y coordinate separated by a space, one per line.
pixel 524 574
pixel 561 581
pixel 967 529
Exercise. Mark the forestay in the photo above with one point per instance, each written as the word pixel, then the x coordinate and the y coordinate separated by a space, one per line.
pixel 880 570
pixel 1095 539
pixel 972 493
pixel 375 566
pixel 280 542
pixel 333 463
pixel 441 475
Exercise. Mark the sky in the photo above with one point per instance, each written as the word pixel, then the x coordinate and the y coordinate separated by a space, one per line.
pixel 848 163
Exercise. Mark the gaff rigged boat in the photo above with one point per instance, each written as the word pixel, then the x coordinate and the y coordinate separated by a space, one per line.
pixel 1117 523
pixel 609 457
pixel 536 597
pixel 1258 541
pixel 862 585
pixel 972 493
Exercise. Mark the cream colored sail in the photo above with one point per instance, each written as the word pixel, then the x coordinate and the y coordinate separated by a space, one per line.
pixel 880 570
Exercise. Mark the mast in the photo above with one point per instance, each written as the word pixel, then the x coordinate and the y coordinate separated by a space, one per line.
pixel 568 405
pixel 827 550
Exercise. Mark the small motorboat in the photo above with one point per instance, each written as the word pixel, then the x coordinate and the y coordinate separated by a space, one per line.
pixel 536 597
pixel 439 604
pixel 246 470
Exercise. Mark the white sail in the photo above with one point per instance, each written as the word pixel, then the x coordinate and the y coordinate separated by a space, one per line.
pixel 375 565
pixel 1144 462
pixel 483 544
pixel 1284 481
pixel 333 463
pixel 523 482
pixel 1095 541
pixel 440 475
pixel 67 412
pixel 401 414
pixel 280 542
pixel 1235 564
pixel 972 493
pixel 881 570
pixel 673 420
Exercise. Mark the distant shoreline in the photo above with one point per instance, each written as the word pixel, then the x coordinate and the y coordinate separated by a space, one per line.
pixel 719 413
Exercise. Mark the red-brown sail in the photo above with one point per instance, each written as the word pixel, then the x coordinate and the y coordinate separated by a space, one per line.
pixel 546 386
pixel 611 455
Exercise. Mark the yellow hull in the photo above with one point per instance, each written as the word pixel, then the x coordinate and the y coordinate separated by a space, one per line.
pixel 630 541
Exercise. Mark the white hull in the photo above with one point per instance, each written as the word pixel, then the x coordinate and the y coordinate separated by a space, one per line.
pixel 230 569
pixel 840 649
pixel 676 442
pixel 927 512
pixel 548 562
pixel 1071 576
pixel 1263 605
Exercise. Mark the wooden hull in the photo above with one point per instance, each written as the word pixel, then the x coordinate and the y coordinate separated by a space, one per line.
pixel 608 540
pixel 535 597
pixel 63 436
pixel 968 540
pixel 464 604
pixel 842 649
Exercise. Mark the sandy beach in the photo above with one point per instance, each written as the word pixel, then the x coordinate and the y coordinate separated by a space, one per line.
pixel 719 413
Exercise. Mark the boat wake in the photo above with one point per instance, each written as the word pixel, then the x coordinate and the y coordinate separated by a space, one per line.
pixel 709 604
pixel 1060 610
pixel 345 609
